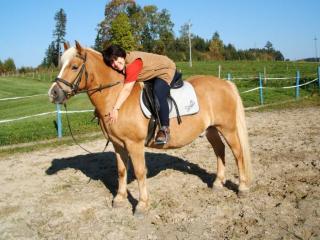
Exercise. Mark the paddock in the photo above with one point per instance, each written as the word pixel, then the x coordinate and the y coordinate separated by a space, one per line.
pixel 66 193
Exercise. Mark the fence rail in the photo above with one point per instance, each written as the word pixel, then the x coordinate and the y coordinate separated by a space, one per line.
pixel 261 87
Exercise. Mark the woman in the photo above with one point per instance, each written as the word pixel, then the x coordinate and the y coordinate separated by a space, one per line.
pixel 142 66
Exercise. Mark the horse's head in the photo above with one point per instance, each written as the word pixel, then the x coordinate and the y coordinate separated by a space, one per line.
pixel 73 76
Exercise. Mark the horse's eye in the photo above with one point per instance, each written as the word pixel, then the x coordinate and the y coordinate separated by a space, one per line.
pixel 74 67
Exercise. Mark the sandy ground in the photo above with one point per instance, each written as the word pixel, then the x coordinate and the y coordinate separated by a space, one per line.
pixel 66 193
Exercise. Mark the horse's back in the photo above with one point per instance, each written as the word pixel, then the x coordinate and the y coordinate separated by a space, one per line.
pixel 216 97
pixel 212 87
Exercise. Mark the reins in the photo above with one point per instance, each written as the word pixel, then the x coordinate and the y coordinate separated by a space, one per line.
pixel 71 133
pixel 74 90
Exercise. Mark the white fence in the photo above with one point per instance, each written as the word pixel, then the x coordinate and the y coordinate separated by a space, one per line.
pixel 261 79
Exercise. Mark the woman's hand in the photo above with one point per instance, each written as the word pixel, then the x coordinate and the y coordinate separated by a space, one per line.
pixel 113 116
pixel 123 95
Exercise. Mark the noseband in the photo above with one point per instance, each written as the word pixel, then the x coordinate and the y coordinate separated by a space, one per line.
pixel 74 85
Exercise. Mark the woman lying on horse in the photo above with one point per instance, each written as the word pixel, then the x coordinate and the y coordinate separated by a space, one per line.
pixel 141 66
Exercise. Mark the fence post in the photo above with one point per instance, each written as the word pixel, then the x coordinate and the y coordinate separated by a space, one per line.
pixel 229 76
pixel 59 123
pixel 219 71
pixel 260 88
pixel 319 78
pixel 297 84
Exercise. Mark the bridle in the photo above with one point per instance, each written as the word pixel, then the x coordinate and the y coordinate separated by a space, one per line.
pixel 74 85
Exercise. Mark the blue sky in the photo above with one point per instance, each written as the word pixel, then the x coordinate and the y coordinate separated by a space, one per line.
pixel 291 25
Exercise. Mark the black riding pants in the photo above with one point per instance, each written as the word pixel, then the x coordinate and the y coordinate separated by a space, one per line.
pixel 161 90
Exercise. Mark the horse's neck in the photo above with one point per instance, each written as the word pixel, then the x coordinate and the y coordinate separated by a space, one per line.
pixel 101 75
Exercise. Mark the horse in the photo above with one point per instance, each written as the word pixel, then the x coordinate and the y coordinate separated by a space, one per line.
pixel 221 114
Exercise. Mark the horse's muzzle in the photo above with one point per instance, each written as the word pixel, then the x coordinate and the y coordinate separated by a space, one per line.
pixel 56 94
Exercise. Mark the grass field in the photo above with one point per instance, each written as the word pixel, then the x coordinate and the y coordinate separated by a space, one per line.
pixel 43 127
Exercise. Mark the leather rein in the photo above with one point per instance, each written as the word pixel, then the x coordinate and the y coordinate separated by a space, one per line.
pixel 74 86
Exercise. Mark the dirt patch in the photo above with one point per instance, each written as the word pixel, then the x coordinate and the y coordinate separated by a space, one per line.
pixel 65 193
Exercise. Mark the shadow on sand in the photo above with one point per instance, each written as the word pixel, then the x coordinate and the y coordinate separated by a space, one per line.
pixel 102 166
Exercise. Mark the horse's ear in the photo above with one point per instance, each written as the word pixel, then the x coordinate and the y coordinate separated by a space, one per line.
pixel 78 47
pixel 66 46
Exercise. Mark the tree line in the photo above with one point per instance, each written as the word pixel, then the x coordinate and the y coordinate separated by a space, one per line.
pixel 147 28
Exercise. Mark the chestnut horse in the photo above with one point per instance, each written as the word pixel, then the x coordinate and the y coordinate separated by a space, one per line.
pixel 221 111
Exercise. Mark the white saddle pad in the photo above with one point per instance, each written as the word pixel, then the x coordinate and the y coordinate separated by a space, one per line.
pixel 185 98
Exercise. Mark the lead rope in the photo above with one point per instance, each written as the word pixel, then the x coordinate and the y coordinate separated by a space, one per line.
pixel 69 126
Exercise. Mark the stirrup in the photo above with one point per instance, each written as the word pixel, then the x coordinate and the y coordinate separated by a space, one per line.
pixel 166 133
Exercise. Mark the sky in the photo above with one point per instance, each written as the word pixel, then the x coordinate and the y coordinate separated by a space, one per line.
pixel 26 26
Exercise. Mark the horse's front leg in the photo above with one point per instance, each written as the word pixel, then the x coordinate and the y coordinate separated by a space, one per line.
pixel 136 153
pixel 122 165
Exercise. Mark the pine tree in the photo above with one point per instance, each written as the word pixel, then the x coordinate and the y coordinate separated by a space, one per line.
pixel 59 32
pixel 52 55
pixel 120 32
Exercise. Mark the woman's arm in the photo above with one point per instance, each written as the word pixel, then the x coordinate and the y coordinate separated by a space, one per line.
pixel 123 95
pixel 132 72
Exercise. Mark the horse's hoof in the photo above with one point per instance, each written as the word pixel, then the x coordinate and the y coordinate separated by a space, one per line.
pixel 118 203
pixel 141 210
pixel 218 185
pixel 140 214
pixel 243 193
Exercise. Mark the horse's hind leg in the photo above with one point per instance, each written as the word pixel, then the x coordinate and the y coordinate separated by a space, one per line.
pixel 233 141
pixel 122 165
pixel 219 149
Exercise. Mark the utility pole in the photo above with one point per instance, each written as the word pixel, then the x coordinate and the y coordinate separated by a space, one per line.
pixel 316 48
pixel 189 33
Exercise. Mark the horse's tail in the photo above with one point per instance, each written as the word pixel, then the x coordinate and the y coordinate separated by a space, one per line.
pixel 243 134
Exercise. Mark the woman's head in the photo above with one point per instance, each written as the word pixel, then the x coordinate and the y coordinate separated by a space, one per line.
pixel 114 56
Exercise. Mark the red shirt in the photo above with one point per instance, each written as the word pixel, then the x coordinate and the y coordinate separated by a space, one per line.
pixel 132 70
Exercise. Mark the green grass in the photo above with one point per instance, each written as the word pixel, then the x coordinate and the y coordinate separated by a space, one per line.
pixel 249 68
pixel 39 127
pixel 43 128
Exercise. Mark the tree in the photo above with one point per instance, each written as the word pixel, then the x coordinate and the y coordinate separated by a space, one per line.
pixel 120 32
pixel 278 56
pixel 137 21
pixel 60 30
pixel 269 46
pixel 200 44
pixel 53 51
pixel 230 52
pixel 51 56
pixel 150 29
pixel 216 47
pixel 9 65
pixel 149 32
pixel 98 43
pixel 112 10
pixel 165 30
pixel 184 36
pixel 1 67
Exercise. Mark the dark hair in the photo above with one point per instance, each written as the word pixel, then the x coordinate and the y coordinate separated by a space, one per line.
pixel 112 53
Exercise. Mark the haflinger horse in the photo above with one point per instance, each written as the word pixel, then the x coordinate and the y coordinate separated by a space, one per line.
pixel 221 111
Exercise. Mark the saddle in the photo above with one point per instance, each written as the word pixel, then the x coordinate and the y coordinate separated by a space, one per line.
pixel 182 97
